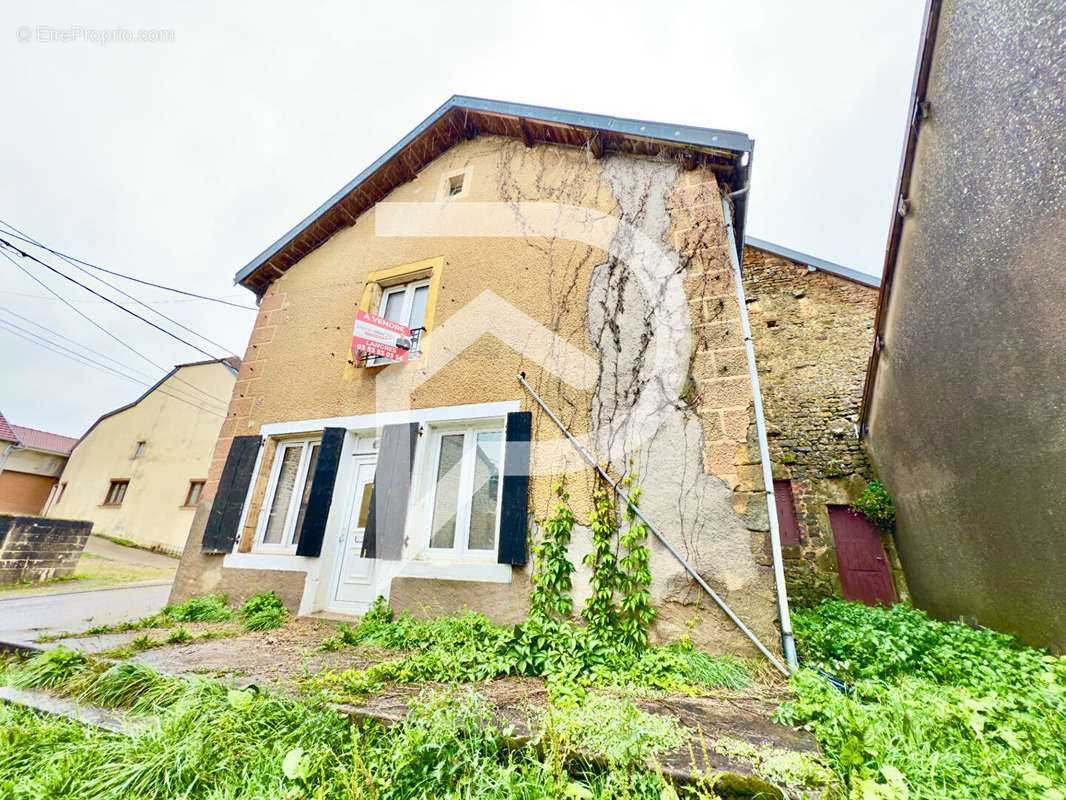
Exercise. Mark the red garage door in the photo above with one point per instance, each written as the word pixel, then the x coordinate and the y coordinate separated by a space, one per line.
pixel 864 572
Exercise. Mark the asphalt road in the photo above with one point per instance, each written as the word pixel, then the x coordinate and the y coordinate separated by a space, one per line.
pixel 23 619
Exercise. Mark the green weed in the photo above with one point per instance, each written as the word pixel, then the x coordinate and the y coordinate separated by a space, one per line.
pixel 936 710
pixel 263 612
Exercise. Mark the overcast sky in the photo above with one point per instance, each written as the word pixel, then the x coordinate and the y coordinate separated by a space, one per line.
pixel 180 160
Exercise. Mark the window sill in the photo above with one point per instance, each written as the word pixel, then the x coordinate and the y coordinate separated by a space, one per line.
pixel 285 562
pixel 110 505
pixel 476 571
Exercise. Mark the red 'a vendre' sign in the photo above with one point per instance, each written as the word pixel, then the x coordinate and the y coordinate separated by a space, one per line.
pixel 380 337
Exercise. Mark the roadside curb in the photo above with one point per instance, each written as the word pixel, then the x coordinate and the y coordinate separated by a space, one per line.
pixel 20 648
pixel 83 591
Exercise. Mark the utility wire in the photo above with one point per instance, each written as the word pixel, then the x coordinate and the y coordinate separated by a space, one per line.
pixel 74 263
pixel 77 358
pixel 87 359
pixel 125 276
pixel 74 342
pixel 97 325
pixel 116 304
pixel 142 381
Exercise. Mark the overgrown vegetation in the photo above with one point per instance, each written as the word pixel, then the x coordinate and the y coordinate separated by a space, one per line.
pixel 210 742
pixel 263 612
pixel 934 710
pixel 610 649
pixel 876 505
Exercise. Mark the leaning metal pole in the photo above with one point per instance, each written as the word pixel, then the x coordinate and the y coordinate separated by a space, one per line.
pixel 788 643
pixel 688 567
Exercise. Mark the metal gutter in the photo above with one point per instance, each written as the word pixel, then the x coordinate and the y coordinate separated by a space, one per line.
pixel 917 109
pixel 788 642
pixel 677 134
pixel 865 278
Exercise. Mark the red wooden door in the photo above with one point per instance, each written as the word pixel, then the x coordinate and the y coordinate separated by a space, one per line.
pixel 864 572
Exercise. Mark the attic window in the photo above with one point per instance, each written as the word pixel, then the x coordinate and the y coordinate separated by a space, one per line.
pixel 454 184
pixel 140 450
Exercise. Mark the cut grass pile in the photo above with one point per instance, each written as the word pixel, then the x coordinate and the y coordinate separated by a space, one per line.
pixel 936 711
pixel 210 742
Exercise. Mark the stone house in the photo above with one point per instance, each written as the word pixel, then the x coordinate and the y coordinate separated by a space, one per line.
pixel 812 323
pixel 138 473
pixel 507 249
pixel 30 464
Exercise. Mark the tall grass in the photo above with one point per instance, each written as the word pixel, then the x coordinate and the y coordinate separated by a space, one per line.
pixel 936 711
pixel 215 743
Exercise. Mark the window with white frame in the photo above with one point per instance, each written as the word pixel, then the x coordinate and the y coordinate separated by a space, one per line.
pixel 465 469
pixel 405 304
pixel 287 493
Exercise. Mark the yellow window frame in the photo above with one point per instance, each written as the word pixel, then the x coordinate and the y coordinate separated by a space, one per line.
pixel 380 280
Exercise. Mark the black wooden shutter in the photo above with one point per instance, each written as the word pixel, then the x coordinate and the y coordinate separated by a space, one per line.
pixel 225 514
pixel 514 505
pixel 385 523
pixel 321 496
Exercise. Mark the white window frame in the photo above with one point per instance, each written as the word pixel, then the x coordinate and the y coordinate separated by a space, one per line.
pixel 408 302
pixel 461 547
pixel 288 533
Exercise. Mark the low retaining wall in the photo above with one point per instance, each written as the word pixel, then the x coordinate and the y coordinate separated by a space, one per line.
pixel 38 549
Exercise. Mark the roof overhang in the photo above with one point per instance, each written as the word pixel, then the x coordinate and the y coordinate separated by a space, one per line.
pixel 865 278
pixel 728 153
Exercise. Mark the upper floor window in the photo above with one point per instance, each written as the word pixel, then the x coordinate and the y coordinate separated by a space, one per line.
pixel 287 493
pixel 116 492
pixel 196 491
pixel 405 304
pixel 140 449
pixel 465 483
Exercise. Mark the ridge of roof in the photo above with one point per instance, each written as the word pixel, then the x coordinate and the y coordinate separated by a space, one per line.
pixel 34 439
pixel 224 361
pixel 865 278
pixel 451 122
pixel 7 434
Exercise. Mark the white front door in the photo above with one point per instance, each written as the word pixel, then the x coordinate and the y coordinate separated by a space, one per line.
pixel 355 587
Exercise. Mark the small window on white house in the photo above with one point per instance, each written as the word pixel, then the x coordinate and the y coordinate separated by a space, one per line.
pixel 288 492
pixel 465 487
pixel 140 449
pixel 455 185
pixel 405 304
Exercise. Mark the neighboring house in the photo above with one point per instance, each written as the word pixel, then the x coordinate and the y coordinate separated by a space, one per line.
pixel 590 254
pixel 812 322
pixel 30 464
pixel 138 473
pixel 965 406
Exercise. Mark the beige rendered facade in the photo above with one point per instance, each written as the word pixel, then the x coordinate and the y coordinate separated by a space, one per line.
pixel 135 471
pixel 600 273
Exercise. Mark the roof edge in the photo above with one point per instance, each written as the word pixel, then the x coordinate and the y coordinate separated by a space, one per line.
pixel 865 278
pixel 923 66
pixel 677 134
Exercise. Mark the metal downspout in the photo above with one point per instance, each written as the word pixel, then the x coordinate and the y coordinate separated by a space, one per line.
pixel 788 643
pixel 688 567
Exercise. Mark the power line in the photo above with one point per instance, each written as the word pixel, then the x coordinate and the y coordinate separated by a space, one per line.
pixel 194 295
pixel 77 358
pixel 100 327
pixel 74 263
pixel 75 342
pixel 116 304
pixel 38 339
pixel 141 381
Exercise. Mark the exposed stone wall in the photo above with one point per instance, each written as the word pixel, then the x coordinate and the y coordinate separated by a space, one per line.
pixel 36 549
pixel 812 333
